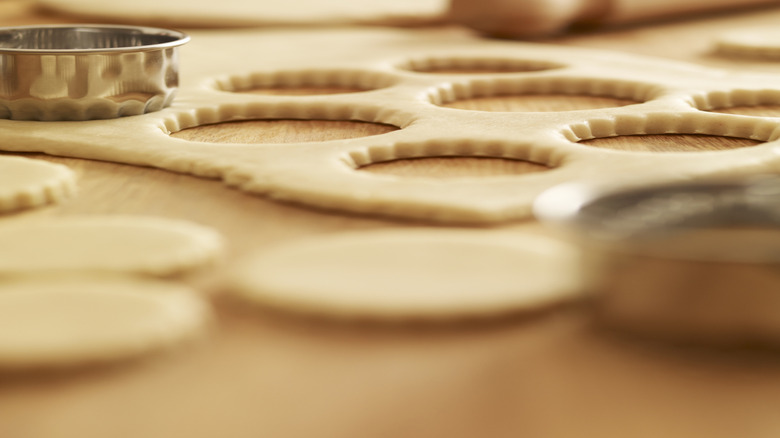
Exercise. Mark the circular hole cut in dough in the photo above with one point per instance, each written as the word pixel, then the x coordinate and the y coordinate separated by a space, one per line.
pixel 758 103
pixel 754 110
pixel 476 65
pixel 541 94
pixel 282 131
pixel 26 183
pixel 130 244
pixel 411 274
pixel 538 103
pixel 307 82
pixel 762 43
pixel 674 143
pixel 57 322
pixel 454 167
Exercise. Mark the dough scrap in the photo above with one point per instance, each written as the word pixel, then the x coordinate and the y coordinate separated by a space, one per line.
pixel 48 323
pixel 26 183
pixel 395 67
pixel 755 42
pixel 128 244
pixel 411 274
pixel 205 13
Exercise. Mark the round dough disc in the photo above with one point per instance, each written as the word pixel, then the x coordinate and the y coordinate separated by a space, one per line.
pixel 131 244
pixel 759 43
pixel 26 183
pixel 426 274
pixel 62 322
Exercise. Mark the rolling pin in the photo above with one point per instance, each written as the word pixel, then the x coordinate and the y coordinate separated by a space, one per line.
pixel 538 18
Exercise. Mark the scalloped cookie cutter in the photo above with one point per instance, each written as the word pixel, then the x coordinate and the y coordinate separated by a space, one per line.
pixel 397 70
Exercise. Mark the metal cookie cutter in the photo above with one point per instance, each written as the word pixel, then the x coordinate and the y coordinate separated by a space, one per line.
pixel 81 72
pixel 688 262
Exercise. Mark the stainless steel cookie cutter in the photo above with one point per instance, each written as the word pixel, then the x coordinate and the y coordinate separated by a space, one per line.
pixel 82 72
pixel 688 262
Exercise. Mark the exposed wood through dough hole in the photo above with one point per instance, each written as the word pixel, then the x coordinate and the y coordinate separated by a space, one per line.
pixel 477 65
pixel 282 131
pixel 756 110
pixel 670 143
pixel 301 91
pixel 454 167
pixel 538 103
pixel 474 70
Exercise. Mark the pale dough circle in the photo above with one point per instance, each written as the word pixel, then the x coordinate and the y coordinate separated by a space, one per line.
pixel 62 322
pixel 757 42
pixel 417 274
pixel 130 244
pixel 252 13
pixel 26 183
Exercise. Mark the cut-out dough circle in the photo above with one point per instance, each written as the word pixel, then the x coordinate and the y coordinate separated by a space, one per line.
pixel 411 274
pixel 55 322
pixel 324 174
pixel 130 244
pixel 26 183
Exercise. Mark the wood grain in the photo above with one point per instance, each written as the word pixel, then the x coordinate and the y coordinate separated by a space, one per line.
pixel 670 143
pixel 454 167
pixel 258 373
pixel 282 131
pixel 299 91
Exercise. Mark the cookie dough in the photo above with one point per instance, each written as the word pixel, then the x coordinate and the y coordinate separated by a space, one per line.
pixel 408 75
pixel 411 274
pixel 26 183
pixel 225 13
pixel 130 244
pixel 48 323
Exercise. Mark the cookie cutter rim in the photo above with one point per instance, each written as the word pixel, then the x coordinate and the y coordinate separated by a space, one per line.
pixel 87 71
pixel 725 301
pixel 178 38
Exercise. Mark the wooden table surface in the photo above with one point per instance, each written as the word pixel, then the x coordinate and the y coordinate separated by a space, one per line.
pixel 269 374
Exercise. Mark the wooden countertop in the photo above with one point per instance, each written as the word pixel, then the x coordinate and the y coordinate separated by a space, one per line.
pixel 282 376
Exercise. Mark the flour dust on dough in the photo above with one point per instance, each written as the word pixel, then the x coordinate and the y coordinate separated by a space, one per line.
pixel 407 75
pixel 129 244
pixel 55 322
pixel 411 274
pixel 225 13
pixel 26 183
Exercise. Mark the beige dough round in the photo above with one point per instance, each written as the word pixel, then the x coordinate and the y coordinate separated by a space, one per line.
pixel 62 322
pixel 249 12
pixel 757 42
pixel 140 245
pixel 26 183
pixel 418 274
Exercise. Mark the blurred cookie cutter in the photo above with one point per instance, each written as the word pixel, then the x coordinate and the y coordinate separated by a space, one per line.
pixel 82 72
pixel 686 262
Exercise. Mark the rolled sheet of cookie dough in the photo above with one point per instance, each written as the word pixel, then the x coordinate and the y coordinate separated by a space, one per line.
pixel 429 274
